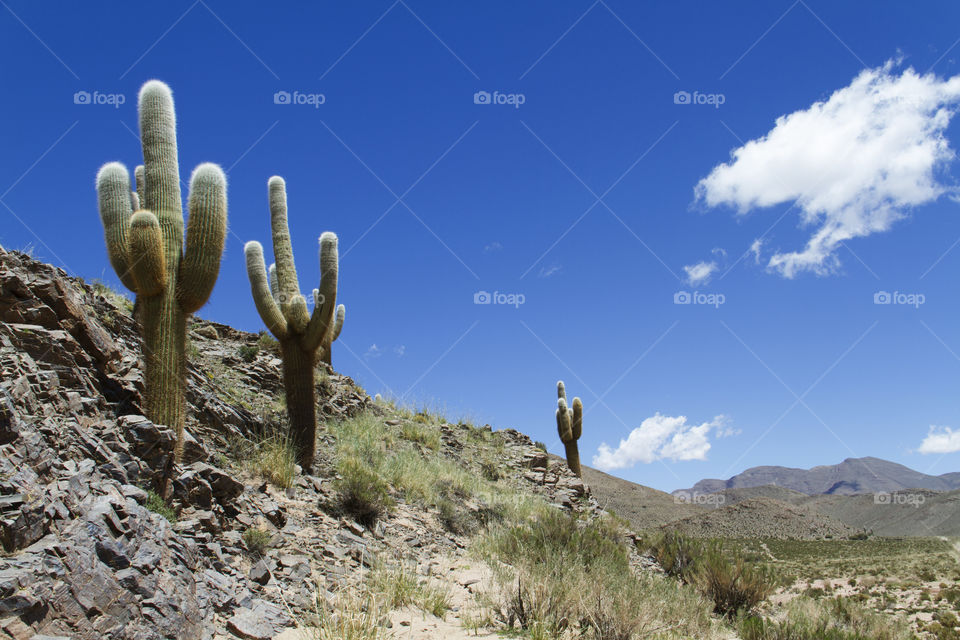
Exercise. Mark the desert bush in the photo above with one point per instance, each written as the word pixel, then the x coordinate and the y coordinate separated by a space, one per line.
pixel 267 342
pixel 248 353
pixel 732 583
pixel 353 614
pixel 676 554
pixel 256 540
pixel 362 494
pixel 275 460
pixel 837 619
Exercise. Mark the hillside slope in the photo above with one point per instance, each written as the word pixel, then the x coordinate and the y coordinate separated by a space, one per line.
pixel 643 507
pixel 250 546
pixel 761 518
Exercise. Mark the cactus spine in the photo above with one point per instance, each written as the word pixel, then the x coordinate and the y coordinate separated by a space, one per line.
pixel 569 426
pixel 144 237
pixel 276 294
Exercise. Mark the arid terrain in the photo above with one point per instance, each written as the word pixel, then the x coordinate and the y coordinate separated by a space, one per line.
pixel 413 524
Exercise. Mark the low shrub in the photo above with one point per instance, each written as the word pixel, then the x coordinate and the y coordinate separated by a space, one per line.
pixel 362 493
pixel 257 540
pixel 733 584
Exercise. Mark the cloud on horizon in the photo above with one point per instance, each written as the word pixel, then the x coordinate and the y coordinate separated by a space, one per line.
pixel 661 437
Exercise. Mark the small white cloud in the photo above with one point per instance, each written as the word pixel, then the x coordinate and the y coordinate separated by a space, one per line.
pixel 720 252
pixel 400 350
pixel 940 440
pixel 700 273
pixel 661 437
pixel 493 247
pixel 755 249
pixel 552 270
pixel 373 352
pixel 853 165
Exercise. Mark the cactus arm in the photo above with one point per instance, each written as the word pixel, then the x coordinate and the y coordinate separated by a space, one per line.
pixel 266 306
pixel 282 248
pixel 296 314
pixel 563 420
pixel 338 323
pixel 206 231
pixel 324 308
pixel 577 424
pixel 146 248
pixel 561 390
pixel 161 193
pixel 274 285
pixel 141 185
pixel 113 187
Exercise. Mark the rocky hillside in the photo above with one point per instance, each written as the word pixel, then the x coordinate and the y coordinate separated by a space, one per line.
pixel 852 476
pixel 90 551
pixel 761 518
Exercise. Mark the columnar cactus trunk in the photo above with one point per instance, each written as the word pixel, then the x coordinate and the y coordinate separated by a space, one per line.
pixel 301 335
pixel 569 427
pixel 144 235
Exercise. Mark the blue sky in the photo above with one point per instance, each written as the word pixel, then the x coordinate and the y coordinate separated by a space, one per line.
pixel 582 200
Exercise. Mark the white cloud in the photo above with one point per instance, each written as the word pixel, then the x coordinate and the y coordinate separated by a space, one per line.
pixel 700 273
pixel 940 440
pixel 493 247
pixel 661 437
pixel 373 352
pixel 400 350
pixel 552 270
pixel 755 249
pixel 853 164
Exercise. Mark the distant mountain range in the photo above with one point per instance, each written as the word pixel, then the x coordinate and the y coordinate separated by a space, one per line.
pixel 780 502
pixel 850 477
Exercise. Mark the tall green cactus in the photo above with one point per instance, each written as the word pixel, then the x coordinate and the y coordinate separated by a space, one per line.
pixel 144 235
pixel 569 426
pixel 284 311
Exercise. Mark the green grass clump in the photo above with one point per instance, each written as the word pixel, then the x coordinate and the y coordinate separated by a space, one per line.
pixel 275 460
pixel 157 504
pixel 257 540
pixel 362 494
pixel 248 352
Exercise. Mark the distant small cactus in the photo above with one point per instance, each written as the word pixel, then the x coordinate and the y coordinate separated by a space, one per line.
pixel 569 427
